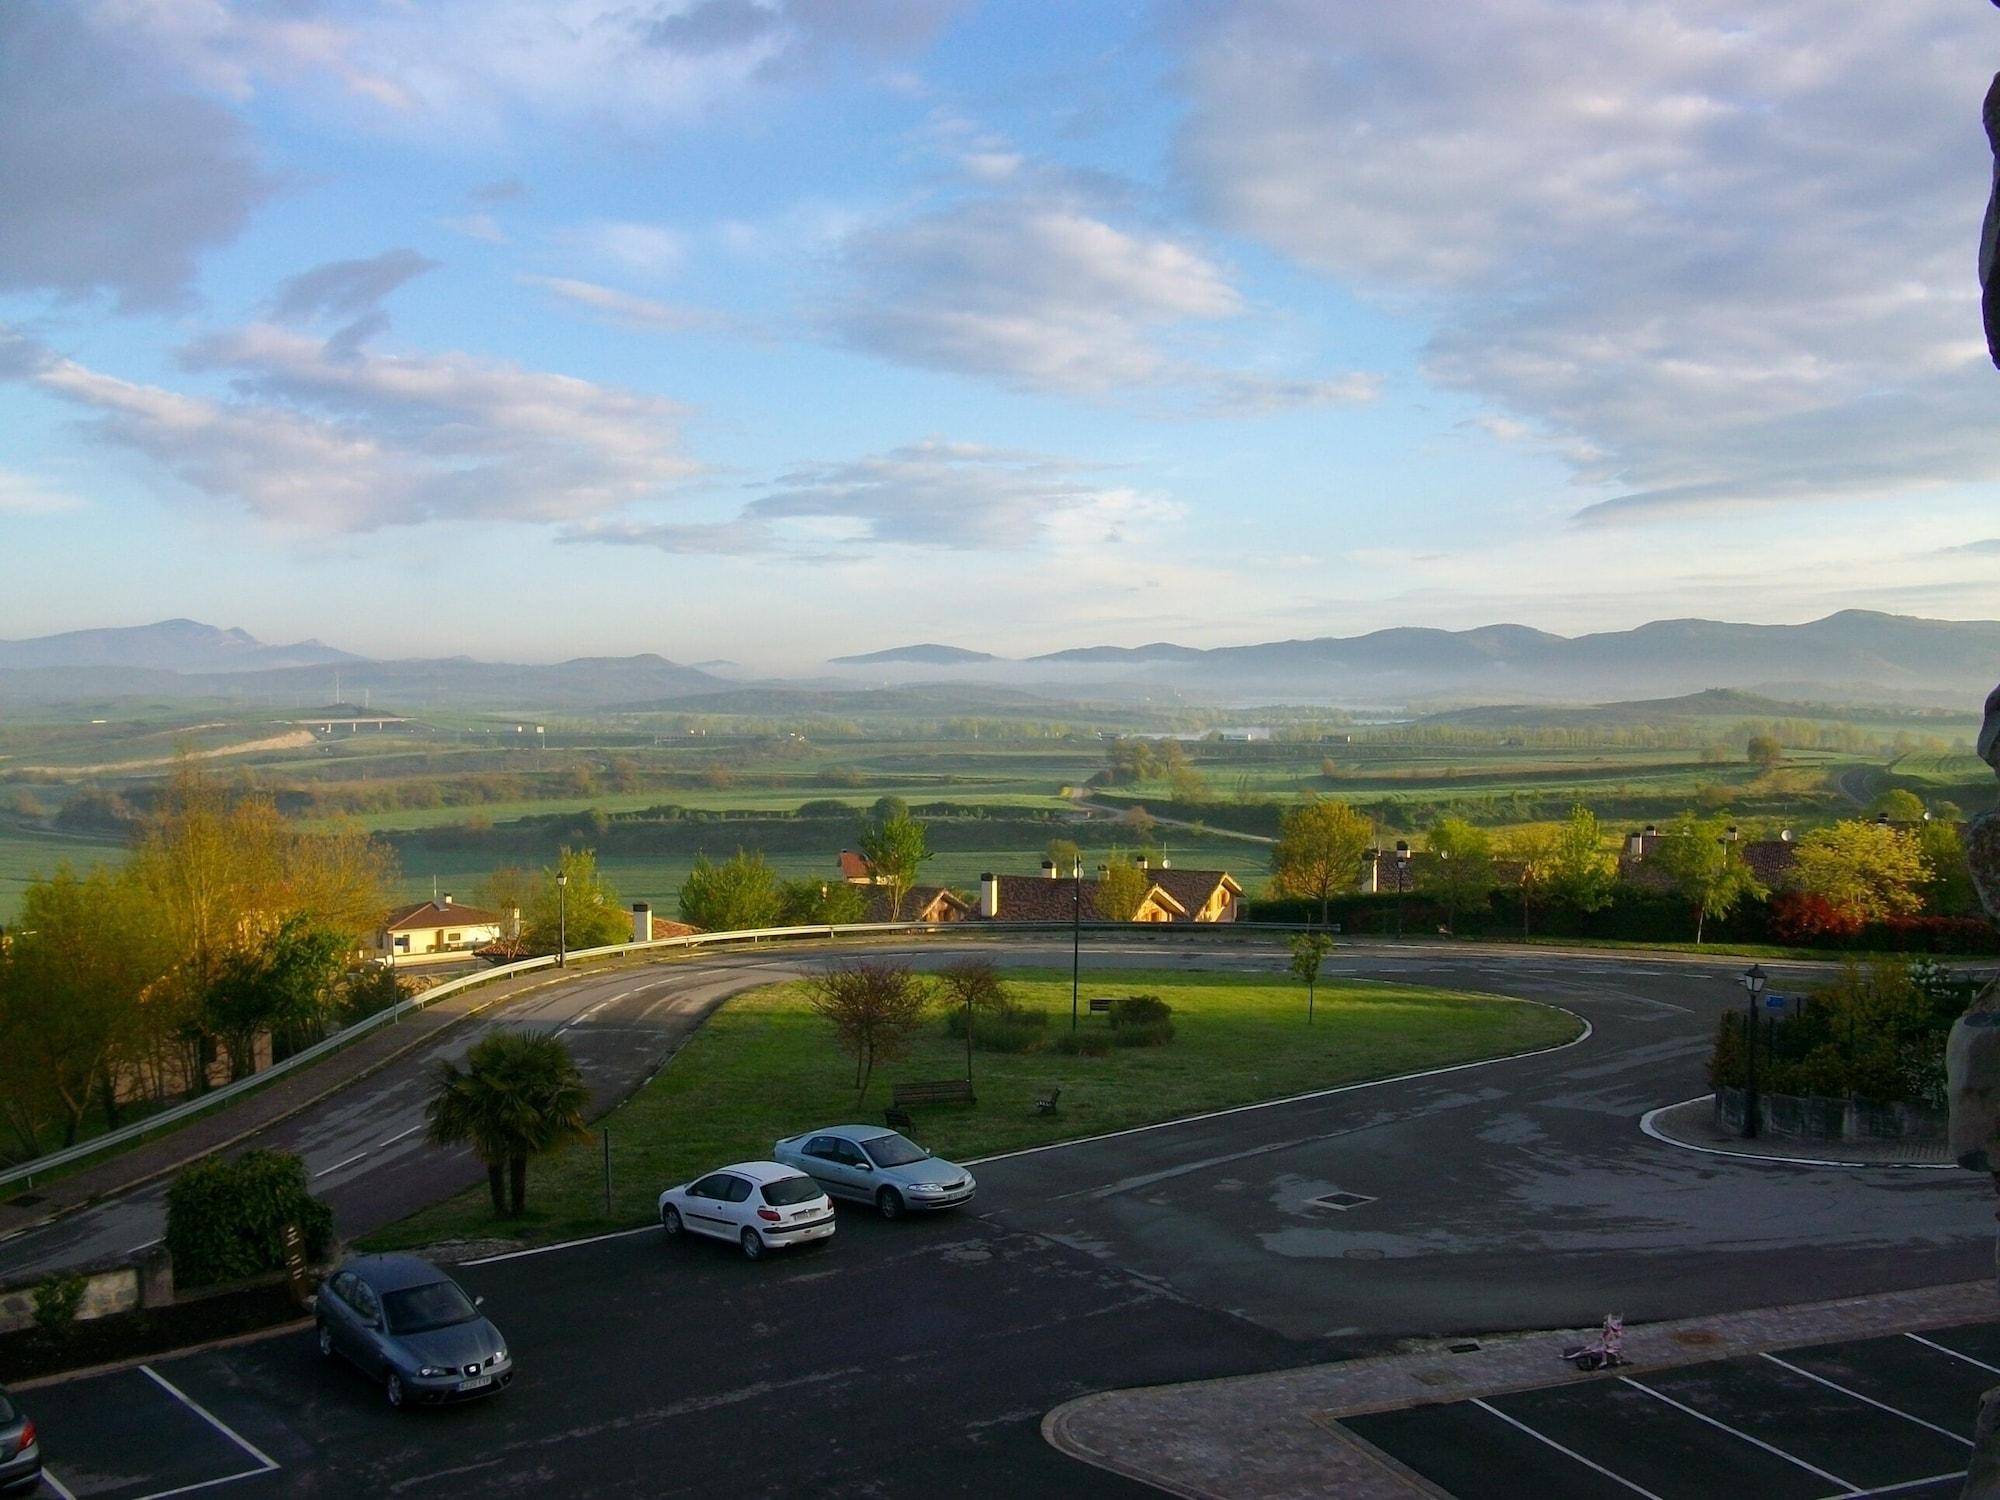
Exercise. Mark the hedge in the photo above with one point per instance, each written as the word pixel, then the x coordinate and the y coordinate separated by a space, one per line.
pixel 226 1219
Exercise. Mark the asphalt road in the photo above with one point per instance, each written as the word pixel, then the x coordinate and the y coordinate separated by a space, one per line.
pixel 916 1358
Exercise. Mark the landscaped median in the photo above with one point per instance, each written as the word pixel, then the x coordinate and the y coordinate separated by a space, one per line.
pixel 765 1066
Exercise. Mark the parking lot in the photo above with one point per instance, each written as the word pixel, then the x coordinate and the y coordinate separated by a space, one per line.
pixel 148 1439
pixel 1881 1416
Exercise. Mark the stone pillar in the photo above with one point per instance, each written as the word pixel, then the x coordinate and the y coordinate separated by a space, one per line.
pixel 156 1276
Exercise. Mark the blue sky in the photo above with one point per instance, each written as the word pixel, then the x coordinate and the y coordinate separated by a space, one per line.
pixel 767 330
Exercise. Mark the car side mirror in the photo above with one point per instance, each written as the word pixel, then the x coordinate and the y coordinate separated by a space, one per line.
pixel 866 1166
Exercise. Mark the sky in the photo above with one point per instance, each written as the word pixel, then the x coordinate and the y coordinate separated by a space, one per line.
pixel 768 330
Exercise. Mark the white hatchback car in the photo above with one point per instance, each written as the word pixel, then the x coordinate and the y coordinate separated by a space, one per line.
pixel 761 1205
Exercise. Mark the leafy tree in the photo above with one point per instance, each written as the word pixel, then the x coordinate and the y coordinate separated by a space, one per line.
pixel 79 975
pixel 1581 873
pixel 1121 887
pixel 1460 869
pixel 1064 853
pixel 1766 752
pixel 896 847
pixel 519 1096
pixel 584 914
pixel 1309 951
pixel 1186 785
pixel 888 809
pixel 1140 822
pixel 875 1008
pixel 282 987
pixel 507 890
pixel 1899 805
pixel 1319 851
pixel 809 903
pixel 739 895
pixel 1949 892
pixel 1707 870
pixel 1534 849
pixel 1864 871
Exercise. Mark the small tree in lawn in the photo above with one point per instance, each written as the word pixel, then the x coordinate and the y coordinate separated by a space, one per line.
pixel 875 1008
pixel 1309 950
pixel 519 1095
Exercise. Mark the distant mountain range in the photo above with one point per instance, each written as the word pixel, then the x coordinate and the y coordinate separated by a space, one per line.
pixel 1852 656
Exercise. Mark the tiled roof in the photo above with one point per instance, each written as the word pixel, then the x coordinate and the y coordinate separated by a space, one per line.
pixel 855 867
pixel 1193 889
pixel 434 914
pixel 1036 898
pixel 921 903
pixel 662 928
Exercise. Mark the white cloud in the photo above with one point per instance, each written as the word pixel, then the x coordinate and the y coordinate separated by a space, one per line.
pixel 651 248
pixel 1044 295
pixel 623 308
pixel 25 495
pixel 110 179
pixel 339 439
pixel 346 288
pixel 1722 255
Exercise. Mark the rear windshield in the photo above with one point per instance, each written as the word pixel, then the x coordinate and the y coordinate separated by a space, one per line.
pixel 892 1150
pixel 419 1309
pixel 787 1190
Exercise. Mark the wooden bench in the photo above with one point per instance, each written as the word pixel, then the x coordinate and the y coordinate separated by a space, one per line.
pixel 937 1091
pixel 1046 1105
pixel 1100 1005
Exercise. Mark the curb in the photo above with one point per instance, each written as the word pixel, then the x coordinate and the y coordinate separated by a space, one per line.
pixel 1649 1124
pixel 116 1366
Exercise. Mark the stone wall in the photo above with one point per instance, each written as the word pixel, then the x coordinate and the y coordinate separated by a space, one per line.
pixel 1791 1117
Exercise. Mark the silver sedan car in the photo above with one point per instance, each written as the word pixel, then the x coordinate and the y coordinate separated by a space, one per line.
pixel 873 1164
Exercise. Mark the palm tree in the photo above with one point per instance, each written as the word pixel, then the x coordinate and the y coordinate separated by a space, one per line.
pixel 518 1096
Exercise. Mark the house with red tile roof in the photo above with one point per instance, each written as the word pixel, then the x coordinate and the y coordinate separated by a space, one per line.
pixel 436 926
pixel 1171 896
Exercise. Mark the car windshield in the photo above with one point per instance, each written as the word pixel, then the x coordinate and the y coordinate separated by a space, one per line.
pixel 418 1309
pixel 893 1151
pixel 788 1190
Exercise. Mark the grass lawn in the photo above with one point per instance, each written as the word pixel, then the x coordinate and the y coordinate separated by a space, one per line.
pixel 764 1066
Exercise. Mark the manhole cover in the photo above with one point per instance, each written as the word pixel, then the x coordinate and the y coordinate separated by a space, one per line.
pixel 1343 1200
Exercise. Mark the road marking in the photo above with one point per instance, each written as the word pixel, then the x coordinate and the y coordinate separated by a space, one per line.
pixel 1566 1452
pixel 402 1135
pixel 1786 1364
pixel 201 1484
pixel 147 1246
pixel 214 1421
pixel 1702 1416
pixel 617 1234
pixel 1980 1363
pixel 49 1477
pixel 1345 1088
pixel 1897 1489
pixel 1648 1127
pixel 339 1164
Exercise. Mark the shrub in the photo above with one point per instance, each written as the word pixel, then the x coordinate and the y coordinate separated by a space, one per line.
pixel 1081 1043
pixel 1144 1034
pixel 366 991
pixel 226 1219
pixel 1140 1010
pixel 1008 1034
pixel 56 1301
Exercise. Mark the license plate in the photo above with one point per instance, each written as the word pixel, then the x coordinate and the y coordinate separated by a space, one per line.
pixel 477 1383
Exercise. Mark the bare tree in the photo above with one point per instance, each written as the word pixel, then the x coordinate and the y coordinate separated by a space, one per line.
pixel 875 1008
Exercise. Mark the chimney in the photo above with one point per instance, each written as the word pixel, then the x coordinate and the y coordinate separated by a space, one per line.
pixel 989 896
pixel 1635 845
pixel 1143 863
pixel 642 922
pixel 513 921
pixel 444 902
pixel 1048 869
pixel 1732 833
pixel 1371 872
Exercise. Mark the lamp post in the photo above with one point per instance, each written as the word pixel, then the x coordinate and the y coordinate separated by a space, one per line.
pixel 562 919
pixel 1753 984
pixel 1075 937
pixel 1402 879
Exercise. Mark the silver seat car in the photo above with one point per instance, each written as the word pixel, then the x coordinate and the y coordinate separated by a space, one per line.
pixel 20 1453
pixel 876 1165
pixel 404 1322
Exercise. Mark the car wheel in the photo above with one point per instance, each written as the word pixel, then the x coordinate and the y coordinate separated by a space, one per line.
pixel 325 1342
pixel 393 1389
pixel 753 1244
pixel 670 1220
pixel 889 1203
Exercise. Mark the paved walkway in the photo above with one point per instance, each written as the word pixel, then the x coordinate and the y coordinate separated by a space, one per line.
pixel 230 1122
pixel 1276 1437
pixel 1693 1124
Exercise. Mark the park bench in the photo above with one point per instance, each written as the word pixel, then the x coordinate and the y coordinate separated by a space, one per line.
pixel 1046 1105
pixel 1100 1005
pixel 937 1091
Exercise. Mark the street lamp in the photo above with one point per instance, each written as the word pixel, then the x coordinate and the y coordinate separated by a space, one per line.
pixel 1076 937
pixel 1402 879
pixel 562 919
pixel 1753 983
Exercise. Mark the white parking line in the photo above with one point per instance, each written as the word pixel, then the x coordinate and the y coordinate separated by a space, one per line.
pixel 209 1417
pixel 402 1135
pixel 1785 1364
pixel 1702 1416
pixel 339 1164
pixel 1897 1489
pixel 616 1234
pixel 1566 1452
pixel 1979 1363
pixel 49 1478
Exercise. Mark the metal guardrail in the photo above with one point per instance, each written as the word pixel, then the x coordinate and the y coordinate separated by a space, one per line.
pixel 26 1172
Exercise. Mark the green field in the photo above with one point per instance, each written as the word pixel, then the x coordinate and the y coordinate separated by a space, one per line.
pixel 764 1066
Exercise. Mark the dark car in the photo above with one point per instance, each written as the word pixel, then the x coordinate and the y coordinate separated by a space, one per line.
pixel 406 1323
pixel 20 1454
